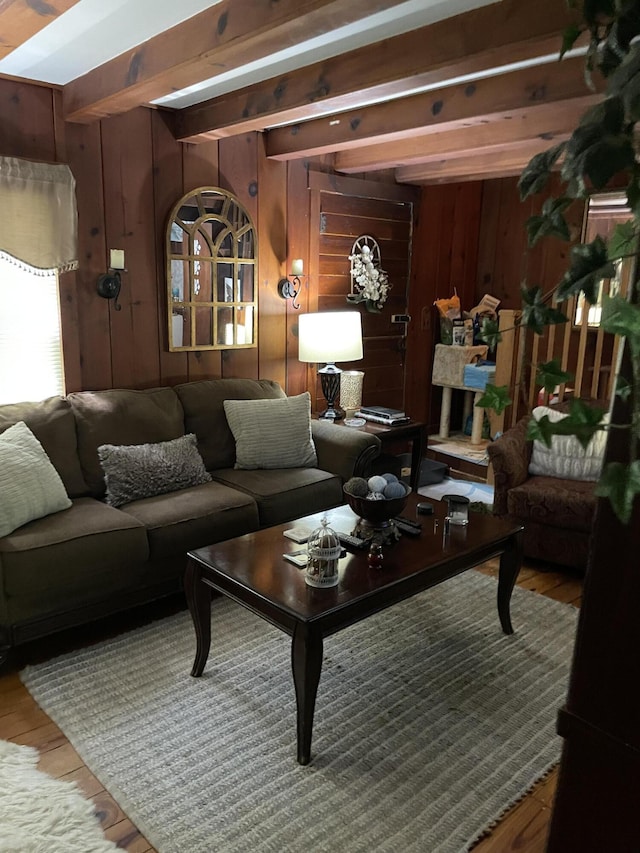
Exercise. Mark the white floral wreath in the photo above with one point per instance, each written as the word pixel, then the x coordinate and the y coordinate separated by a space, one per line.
pixel 371 282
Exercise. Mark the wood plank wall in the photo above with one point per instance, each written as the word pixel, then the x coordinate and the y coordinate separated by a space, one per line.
pixel 444 261
pixel 130 171
pixel 470 238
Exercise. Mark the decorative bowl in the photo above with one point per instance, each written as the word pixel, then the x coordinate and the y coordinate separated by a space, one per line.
pixel 377 513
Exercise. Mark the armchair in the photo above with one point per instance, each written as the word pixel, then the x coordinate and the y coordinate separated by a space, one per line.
pixel 557 513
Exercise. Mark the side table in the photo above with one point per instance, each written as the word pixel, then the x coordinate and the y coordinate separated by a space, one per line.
pixel 414 431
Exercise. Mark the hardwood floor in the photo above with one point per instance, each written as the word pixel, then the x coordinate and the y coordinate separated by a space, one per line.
pixel 523 829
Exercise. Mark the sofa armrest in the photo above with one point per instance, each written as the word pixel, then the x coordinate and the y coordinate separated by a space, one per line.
pixel 510 456
pixel 343 451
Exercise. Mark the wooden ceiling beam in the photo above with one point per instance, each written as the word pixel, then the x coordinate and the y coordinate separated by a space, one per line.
pixel 228 35
pixel 488 164
pixel 21 19
pixel 547 121
pixel 488 37
pixel 447 108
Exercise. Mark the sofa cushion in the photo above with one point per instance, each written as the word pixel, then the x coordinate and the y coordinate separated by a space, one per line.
pixel 53 424
pixel 121 416
pixel 283 494
pixel 30 487
pixel 203 404
pixel 567 458
pixel 71 553
pixel 558 503
pixel 138 471
pixel 192 518
pixel 272 433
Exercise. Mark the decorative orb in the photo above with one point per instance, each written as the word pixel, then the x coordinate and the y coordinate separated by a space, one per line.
pixel 357 486
pixel 376 483
pixel 390 478
pixel 377 513
pixel 394 490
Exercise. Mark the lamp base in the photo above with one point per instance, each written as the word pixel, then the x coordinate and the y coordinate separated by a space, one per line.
pixel 330 382
pixel 333 413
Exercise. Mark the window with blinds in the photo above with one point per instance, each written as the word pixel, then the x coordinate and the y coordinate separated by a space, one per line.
pixel 31 365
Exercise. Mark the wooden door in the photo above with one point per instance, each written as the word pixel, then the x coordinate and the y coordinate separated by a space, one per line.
pixel 342 219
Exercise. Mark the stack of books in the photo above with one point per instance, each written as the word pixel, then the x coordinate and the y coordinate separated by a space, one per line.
pixel 383 415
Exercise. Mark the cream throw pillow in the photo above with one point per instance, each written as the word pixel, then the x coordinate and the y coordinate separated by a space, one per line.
pixel 272 433
pixel 30 487
pixel 567 458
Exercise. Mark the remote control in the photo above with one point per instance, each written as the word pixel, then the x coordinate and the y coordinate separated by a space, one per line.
pixel 409 529
pixel 351 542
pixel 402 519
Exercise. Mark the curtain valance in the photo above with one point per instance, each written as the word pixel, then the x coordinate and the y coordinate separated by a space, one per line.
pixel 38 215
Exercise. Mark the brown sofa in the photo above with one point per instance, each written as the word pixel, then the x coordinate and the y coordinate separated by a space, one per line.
pixel 92 559
pixel 557 514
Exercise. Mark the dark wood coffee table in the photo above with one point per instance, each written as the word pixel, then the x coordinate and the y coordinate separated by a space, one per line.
pixel 251 571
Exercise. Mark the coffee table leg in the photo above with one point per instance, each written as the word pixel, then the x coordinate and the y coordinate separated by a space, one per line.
pixel 306 662
pixel 199 600
pixel 510 563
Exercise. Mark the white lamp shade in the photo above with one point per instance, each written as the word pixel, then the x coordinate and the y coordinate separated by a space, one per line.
pixel 330 336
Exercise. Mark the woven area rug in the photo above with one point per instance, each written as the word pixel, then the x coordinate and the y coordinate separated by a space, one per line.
pixel 429 724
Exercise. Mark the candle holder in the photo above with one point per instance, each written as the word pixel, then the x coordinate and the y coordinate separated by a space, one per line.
pixel 458 509
pixel 351 391
pixel 289 287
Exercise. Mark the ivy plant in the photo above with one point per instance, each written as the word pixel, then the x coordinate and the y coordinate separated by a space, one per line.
pixel 601 148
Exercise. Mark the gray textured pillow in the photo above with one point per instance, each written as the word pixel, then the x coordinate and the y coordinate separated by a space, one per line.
pixel 272 433
pixel 30 487
pixel 136 471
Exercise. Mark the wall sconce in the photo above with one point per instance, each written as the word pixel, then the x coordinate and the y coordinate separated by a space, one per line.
pixel 109 283
pixel 289 287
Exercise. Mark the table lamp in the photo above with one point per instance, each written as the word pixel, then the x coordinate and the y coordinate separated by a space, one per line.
pixel 327 337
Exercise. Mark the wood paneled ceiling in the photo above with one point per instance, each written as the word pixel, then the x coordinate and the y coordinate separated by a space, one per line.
pixel 469 96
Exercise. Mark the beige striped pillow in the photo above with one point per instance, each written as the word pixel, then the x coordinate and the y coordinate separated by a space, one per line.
pixel 272 433
pixel 30 487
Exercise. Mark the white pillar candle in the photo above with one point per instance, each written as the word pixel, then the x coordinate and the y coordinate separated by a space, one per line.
pixel 297 266
pixel 116 257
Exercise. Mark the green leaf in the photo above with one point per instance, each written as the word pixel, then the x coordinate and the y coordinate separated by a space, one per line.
pixel 490 333
pixel 536 314
pixel 551 222
pixel 569 38
pixel 633 193
pixel 598 148
pixel 541 430
pixel 582 421
pixel 496 398
pixel 622 318
pixel 624 73
pixel 550 375
pixel 620 484
pixel 589 265
pixel 623 241
pixel 607 157
pixel 623 388
pixel 536 173
pixel 595 11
